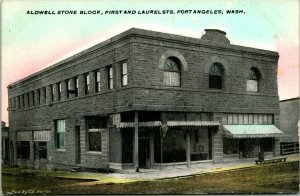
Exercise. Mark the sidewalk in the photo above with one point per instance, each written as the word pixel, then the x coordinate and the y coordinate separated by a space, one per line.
pixel 149 174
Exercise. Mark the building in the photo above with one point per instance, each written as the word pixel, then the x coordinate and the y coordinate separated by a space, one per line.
pixel 288 123
pixel 5 143
pixel 145 99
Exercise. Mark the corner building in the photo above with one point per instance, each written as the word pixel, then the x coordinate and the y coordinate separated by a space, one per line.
pixel 146 99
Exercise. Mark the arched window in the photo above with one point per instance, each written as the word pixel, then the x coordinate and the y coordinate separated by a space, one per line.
pixel 172 72
pixel 253 80
pixel 216 76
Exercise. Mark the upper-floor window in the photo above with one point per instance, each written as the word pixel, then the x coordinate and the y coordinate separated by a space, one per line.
pixel 97 81
pixel 33 98
pixel 76 86
pixel 124 74
pixel 68 82
pixel 23 101
pixel 253 80
pixel 60 134
pixel 59 91
pixel 39 96
pixel 45 94
pixel 87 84
pixel 19 102
pixel 52 92
pixel 110 78
pixel 216 76
pixel 28 99
pixel 172 72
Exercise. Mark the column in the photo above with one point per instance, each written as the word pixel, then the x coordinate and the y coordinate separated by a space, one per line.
pixel 48 95
pixel 151 148
pixel 64 90
pixel 136 142
pixel 188 148
pixel 72 87
pixel 81 85
pixel 217 144
pixel 276 147
pixel 92 82
pixel 37 98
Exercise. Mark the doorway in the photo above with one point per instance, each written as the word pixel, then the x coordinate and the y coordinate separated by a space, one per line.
pixel 77 145
pixel 144 149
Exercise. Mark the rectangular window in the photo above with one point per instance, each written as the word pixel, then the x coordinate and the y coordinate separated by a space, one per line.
pixel 124 74
pixel 68 82
pixel 171 78
pixel 28 99
pixel 60 134
pixel 52 92
pixel 23 101
pixel 110 78
pixel 59 91
pixel 19 102
pixel 39 96
pixel 45 95
pixel 40 150
pixel 76 86
pixel 252 86
pixel 97 84
pixel 87 84
pixel 33 98
pixel 23 150
pixel 95 125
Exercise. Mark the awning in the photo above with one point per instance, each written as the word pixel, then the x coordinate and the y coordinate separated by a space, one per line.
pixel 141 124
pixel 192 123
pixel 251 131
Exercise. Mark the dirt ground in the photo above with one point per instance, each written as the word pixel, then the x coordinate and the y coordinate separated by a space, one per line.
pixel 267 179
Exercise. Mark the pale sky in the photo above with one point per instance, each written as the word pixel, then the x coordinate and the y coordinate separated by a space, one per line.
pixel 33 42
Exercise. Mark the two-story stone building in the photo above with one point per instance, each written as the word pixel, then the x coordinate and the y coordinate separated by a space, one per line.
pixel 145 99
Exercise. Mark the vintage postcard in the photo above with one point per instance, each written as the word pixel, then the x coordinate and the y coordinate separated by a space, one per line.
pixel 150 97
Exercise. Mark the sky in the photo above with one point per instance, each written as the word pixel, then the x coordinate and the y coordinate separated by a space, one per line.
pixel 31 42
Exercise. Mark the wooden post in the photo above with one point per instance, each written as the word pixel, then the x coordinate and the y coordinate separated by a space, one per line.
pixel 136 141
pixel 151 148
pixel 188 148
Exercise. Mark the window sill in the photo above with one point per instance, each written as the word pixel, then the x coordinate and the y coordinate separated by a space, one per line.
pixel 60 150
pixel 215 90
pixel 94 152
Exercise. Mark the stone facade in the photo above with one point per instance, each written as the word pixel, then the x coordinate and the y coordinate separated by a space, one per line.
pixel 32 108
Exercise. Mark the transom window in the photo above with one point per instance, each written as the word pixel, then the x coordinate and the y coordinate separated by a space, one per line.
pixel 253 80
pixel 172 72
pixel 215 76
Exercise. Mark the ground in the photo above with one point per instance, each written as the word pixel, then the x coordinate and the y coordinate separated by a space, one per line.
pixel 270 178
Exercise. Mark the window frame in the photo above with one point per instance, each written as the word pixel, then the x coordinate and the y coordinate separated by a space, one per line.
pixel 86 84
pixel 21 146
pixel 124 76
pixel 59 91
pixel 253 76
pixel 68 85
pixel 168 72
pixel 110 74
pixel 76 87
pixel 215 80
pixel 58 144
pixel 97 81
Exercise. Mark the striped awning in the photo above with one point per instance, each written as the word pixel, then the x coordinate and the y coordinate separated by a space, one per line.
pixel 24 135
pixel 192 123
pixel 141 124
pixel 251 131
pixel 42 135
